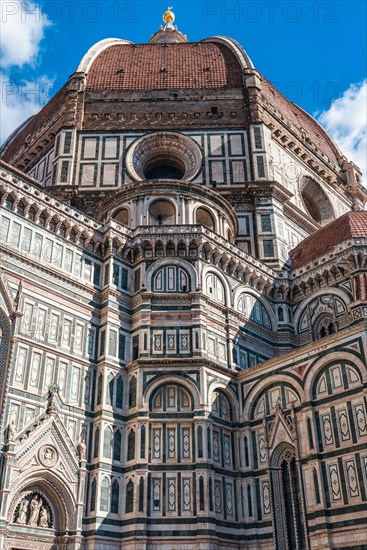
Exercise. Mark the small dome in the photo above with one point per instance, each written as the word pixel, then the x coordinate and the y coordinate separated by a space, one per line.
pixel 349 226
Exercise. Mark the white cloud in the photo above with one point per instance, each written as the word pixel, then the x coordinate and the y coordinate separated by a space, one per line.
pixel 19 102
pixel 22 30
pixel 346 122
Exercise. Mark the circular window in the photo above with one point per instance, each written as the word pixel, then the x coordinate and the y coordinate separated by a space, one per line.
pixel 315 201
pixel 164 155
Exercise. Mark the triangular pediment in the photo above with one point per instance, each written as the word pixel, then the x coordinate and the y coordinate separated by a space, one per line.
pixel 45 444
pixel 281 431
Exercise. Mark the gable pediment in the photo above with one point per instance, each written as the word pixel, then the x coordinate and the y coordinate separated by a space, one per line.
pixel 282 431
pixel 46 445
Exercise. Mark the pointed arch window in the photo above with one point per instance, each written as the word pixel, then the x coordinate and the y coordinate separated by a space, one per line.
pixel 105 489
pixel 131 445
pixel 119 393
pixel 99 389
pixel 141 495
pixel 107 439
pixel 249 501
pixel 109 389
pixel 117 445
pixel 132 392
pixel 142 442
pixel 115 497
pixel 130 497
pixel 201 493
pixel 210 494
pixel 208 442
pixel 245 443
pixel 93 495
pixel 200 441
pixel 96 443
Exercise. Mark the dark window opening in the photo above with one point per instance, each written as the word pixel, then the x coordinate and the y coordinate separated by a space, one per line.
pixel 164 172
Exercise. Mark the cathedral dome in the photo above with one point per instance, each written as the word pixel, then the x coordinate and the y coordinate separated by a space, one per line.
pixel 352 225
pixel 127 67
pixel 168 84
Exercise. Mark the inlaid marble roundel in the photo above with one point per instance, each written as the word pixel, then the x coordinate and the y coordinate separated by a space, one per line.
pixel 163 155
pixel 48 456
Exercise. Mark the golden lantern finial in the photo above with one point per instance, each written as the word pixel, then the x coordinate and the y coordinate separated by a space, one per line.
pixel 168 16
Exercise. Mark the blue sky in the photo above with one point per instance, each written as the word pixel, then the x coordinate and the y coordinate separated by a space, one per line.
pixel 314 51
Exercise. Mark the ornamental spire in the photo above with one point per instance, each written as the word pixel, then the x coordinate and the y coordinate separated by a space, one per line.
pixel 169 17
pixel 169 32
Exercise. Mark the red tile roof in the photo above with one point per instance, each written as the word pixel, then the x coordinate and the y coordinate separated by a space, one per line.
pixel 301 119
pixel 190 65
pixel 348 226
pixel 41 118
pixel 159 67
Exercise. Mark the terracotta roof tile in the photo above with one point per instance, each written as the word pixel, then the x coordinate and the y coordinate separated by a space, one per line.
pixel 300 119
pixel 35 124
pixel 348 226
pixel 158 67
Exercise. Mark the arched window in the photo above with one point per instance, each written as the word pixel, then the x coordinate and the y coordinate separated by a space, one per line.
pixel 31 214
pixel 162 212
pixel 142 441
pixel 141 494
pixel 204 217
pixel 119 393
pixel 96 442
pixel 115 497
pixel 52 225
pixel 9 202
pixel 99 389
pixel 131 445
pixel 210 494
pixel 42 220
pixel 280 314
pixel 122 216
pixel 93 495
pixel 253 309
pixel 117 445
pixel 249 501
pixel 201 493
pixel 20 208
pixel 109 389
pixel 107 440
pixel 208 442
pixel 130 497
pixel 214 288
pixel 171 279
pixel 132 392
pixel 324 326
pixel 309 432
pixel 105 490
pixel 200 441
pixel 62 230
pixel 245 444
pixel 316 486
